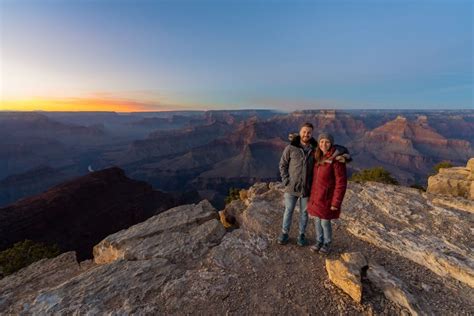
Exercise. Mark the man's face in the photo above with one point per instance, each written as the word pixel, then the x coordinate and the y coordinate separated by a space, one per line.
pixel 324 145
pixel 305 134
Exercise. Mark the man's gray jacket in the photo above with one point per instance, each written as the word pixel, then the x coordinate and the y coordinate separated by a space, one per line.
pixel 296 167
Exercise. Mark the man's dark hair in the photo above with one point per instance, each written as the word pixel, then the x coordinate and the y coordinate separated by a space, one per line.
pixel 306 125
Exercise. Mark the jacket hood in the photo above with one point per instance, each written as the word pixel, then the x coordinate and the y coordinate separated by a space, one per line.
pixel 296 142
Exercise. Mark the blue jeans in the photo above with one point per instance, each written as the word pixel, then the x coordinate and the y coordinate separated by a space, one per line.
pixel 290 203
pixel 323 230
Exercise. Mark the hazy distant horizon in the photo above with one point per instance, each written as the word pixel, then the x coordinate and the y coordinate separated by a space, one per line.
pixel 258 109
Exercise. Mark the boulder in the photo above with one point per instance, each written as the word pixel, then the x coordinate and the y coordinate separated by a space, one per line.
pixel 470 165
pixel 192 229
pixel 346 273
pixel 456 181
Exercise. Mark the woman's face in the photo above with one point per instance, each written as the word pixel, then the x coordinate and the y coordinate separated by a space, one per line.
pixel 324 145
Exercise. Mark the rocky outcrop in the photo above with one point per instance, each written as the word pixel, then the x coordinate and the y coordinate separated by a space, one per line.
pixel 183 262
pixel 77 214
pixel 179 233
pixel 405 221
pixel 456 181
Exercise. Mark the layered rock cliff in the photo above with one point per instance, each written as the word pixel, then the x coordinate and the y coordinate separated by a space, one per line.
pixel 411 145
pixel 182 261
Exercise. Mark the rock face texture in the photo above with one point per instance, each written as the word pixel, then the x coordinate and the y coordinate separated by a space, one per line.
pixel 24 285
pixel 174 235
pixel 79 213
pixel 183 262
pixel 403 220
pixel 456 181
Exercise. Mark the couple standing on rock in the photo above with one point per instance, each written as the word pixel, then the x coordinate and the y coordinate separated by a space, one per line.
pixel 314 173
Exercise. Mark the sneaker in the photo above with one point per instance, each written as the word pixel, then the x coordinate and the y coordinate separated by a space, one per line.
pixel 316 247
pixel 301 240
pixel 283 239
pixel 325 249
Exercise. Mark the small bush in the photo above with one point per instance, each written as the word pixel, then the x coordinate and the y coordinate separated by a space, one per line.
pixel 234 194
pixel 24 253
pixel 442 164
pixel 377 174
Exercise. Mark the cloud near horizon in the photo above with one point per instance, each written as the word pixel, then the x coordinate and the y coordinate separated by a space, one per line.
pixel 106 102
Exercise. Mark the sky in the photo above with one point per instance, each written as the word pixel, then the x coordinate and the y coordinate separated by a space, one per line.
pixel 124 55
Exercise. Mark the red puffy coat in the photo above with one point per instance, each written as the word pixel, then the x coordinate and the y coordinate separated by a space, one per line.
pixel 328 188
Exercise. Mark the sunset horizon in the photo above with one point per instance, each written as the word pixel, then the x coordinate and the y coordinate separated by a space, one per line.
pixel 206 55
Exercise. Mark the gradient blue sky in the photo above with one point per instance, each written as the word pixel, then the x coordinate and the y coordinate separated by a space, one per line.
pixel 239 54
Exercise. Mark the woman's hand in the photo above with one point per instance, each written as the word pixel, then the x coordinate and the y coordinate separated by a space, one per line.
pixel 333 208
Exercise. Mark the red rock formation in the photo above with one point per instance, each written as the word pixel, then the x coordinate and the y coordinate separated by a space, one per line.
pixel 413 145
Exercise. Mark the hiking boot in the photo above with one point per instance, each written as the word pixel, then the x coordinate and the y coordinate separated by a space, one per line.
pixel 316 247
pixel 301 240
pixel 325 249
pixel 283 239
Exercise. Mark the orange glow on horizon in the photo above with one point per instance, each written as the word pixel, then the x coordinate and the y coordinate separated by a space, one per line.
pixel 79 104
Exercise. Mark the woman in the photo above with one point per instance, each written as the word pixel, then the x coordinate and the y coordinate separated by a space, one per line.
pixel 327 191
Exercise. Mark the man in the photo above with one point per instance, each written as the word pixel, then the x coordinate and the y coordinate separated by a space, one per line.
pixel 296 166
pixel 296 170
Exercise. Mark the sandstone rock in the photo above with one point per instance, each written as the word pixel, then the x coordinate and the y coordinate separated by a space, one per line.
pixel 346 273
pixel 456 181
pixel 404 221
pixel 243 194
pixel 192 228
pixel 470 165
pixel 393 288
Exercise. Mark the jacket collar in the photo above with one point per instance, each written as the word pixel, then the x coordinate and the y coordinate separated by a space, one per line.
pixel 330 152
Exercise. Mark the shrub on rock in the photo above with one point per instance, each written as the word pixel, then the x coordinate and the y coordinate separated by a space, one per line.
pixel 377 174
pixel 24 253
